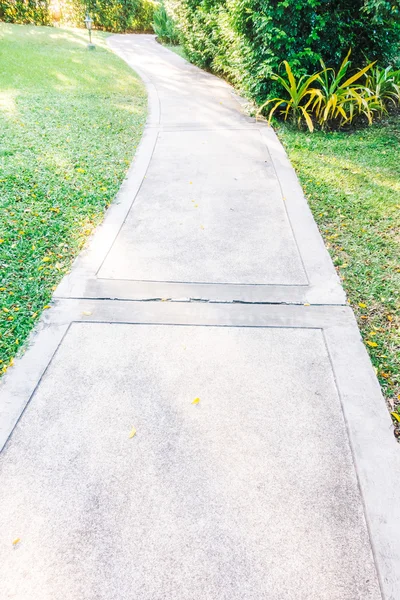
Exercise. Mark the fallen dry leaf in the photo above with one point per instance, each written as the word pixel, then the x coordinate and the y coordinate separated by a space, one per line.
pixel 196 401
pixel 87 313
pixel 16 541
pixel 132 433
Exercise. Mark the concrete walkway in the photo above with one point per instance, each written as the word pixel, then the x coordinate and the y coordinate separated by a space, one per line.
pixel 208 279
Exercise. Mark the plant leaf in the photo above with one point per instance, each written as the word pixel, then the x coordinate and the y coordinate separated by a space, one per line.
pixel 307 119
pixel 291 78
pixel 356 76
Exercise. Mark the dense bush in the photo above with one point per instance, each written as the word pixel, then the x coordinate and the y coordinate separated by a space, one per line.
pixel 246 40
pixel 110 15
pixel 122 15
pixel 25 11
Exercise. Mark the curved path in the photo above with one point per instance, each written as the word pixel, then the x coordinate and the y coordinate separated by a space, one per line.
pixel 208 279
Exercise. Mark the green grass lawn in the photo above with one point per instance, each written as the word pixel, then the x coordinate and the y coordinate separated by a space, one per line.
pixel 352 182
pixel 70 120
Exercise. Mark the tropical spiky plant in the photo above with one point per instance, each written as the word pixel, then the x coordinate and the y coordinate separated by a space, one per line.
pixel 164 27
pixel 385 85
pixel 340 99
pixel 297 104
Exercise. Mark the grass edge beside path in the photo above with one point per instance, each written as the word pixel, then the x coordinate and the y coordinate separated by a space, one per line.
pixel 177 49
pixel 352 184
pixel 70 121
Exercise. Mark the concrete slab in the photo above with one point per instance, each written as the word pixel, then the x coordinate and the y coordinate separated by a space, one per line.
pixel 250 494
pixel 209 210
pixel 248 235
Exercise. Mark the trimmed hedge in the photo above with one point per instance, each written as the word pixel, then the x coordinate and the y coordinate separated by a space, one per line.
pixel 109 15
pixel 35 12
pixel 246 40
pixel 122 15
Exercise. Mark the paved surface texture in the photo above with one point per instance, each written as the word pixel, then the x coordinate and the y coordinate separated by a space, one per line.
pixel 217 500
pixel 207 279
pixel 212 202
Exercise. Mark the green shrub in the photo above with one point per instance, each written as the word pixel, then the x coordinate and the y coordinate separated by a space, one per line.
pixel 110 15
pixel 164 27
pixel 246 40
pixel 71 12
pixel 35 12
pixel 200 29
pixel 342 98
pixel 384 84
pixel 298 99
pixel 143 20
pixel 122 15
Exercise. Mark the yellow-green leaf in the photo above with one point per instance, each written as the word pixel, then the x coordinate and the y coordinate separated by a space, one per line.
pixel 290 75
pixel 196 401
pixel 396 416
pixel 307 119
pixel 356 76
pixel 371 344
